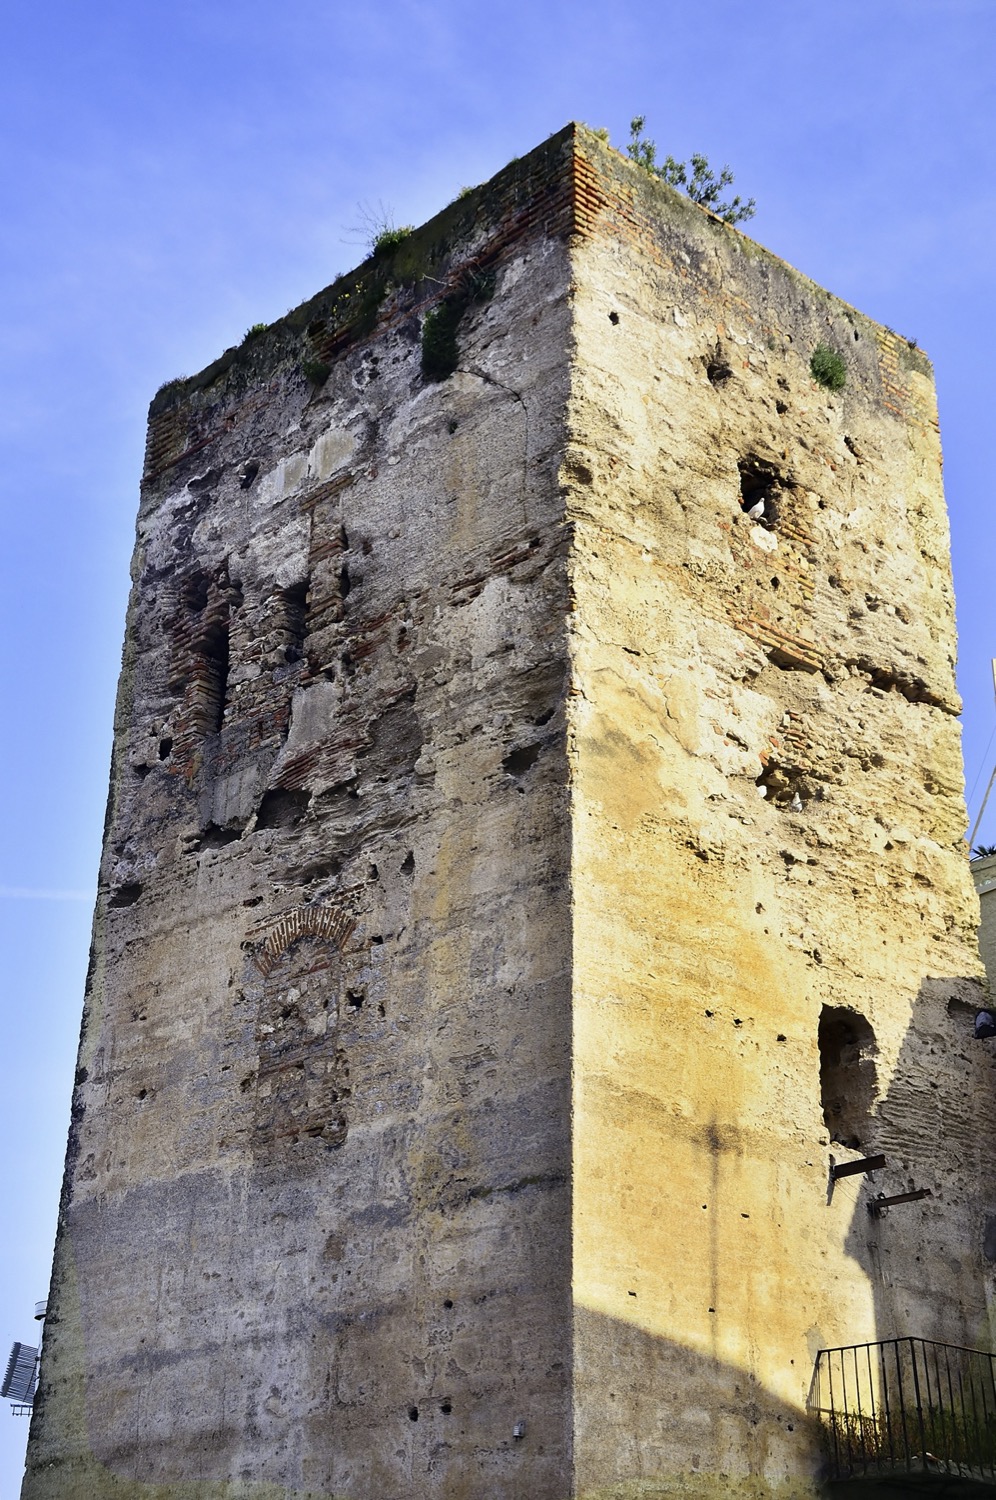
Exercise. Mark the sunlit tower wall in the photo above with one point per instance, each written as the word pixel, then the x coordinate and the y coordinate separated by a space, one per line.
pixel 534 849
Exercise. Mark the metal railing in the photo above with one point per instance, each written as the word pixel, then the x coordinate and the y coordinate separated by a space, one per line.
pixel 906 1406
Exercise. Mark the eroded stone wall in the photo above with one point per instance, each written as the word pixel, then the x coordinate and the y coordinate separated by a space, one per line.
pixel 525 869
pixel 768 830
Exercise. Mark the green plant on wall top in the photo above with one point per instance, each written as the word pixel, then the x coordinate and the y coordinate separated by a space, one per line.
pixel 176 384
pixel 700 183
pixel 377 229
pixel 827 368
pixel 390 236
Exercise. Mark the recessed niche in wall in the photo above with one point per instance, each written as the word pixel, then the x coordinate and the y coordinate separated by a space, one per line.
pixel 848 1076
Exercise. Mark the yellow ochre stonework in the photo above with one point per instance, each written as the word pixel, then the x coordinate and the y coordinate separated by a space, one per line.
pixel 535 850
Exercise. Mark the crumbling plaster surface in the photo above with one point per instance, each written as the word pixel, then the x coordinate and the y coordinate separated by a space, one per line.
pixel 808 653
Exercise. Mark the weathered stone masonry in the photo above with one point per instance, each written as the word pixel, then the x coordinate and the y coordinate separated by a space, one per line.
pixel 523 868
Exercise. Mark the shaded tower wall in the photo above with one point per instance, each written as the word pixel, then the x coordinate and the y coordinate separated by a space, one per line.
pixel 768 853
pixel 315 1231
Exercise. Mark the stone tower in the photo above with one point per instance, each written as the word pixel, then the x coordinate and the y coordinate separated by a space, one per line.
pixel 524 870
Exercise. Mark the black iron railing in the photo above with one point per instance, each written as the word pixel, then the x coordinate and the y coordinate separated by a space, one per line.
pixel 906 1406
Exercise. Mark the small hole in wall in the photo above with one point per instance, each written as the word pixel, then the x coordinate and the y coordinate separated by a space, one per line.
pixel 761 491
pixel 355 999
pixel 248 475
pixel 781 408
pixel 165 747
pixel 452 426
pixel 518 761
pixel 381 1011
pixel 413 1414
pixel 345 583
pixel 282 808
pixel 718 370
pixel 205 481
pixel 291 619
pixel 126 895
pixel 408 864
pixel 776 583
pixel 613 317
pixel 786 786
pixel 446 1407
pixel 448 1303
pixel 214 837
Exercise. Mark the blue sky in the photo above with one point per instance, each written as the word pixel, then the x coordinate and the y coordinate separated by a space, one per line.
pixel 172 174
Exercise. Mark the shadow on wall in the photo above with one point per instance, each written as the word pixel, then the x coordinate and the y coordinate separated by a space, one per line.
pixel 924 1257
pixel 736 1438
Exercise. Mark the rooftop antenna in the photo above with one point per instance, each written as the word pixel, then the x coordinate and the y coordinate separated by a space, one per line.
pixel 975 826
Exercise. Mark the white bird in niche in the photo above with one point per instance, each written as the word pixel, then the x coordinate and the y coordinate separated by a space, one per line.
pixel 756 511
pixel 796 803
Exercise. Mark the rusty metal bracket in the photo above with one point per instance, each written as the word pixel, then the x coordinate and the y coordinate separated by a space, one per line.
pixel 878 1205
pixel 852 1168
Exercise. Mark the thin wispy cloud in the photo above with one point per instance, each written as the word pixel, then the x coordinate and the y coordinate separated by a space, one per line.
pixel 26 893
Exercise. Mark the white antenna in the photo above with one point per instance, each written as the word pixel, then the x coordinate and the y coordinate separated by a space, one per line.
pixel 989 788
pixel 21 1380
